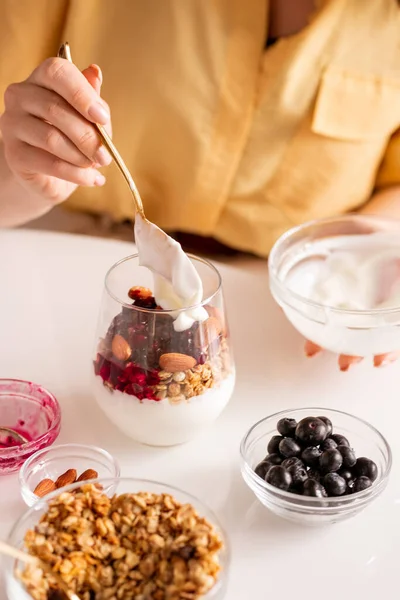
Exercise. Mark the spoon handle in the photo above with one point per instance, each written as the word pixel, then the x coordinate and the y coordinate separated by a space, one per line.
pixel 65 52
pixel 14 434
pixel 8 550
pixel 26 558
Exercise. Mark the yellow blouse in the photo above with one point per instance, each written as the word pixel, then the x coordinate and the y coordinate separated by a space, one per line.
pixel 225 138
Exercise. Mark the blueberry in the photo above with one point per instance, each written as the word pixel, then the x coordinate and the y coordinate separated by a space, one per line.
pixel 311 455
pixel 328 424
pixel 340 440
pixel 311 431
pixel 312 487
pixel 289 447
pixel 361 483
pixel 330 461
pixel 273 459
pixel 334 484
pixel 347 475
pixel 328 444
pixel 314 474
pixel 262 469
pixel 273 446
pixel 349 456
pixel 279 477
pixel 299 476
pixel 287 427
pixel 291 462
pixel 365 467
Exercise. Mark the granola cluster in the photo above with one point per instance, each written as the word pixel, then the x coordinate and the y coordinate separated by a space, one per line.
pixel 142 355
pixel 182 385
pixel 141 546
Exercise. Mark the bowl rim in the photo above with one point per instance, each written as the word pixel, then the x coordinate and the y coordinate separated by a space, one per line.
pixel 22 476
pixel 174 311
pixel 227 552
pixel 330 501
pixel 54 426
pixel 274 275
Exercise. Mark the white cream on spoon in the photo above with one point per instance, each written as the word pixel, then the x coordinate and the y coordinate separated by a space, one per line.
pixel 177 284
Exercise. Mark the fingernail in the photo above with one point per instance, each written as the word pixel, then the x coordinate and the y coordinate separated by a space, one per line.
pixel 311 353
pixel 98 72
pixel 102 157
pixel 311 349
pixel 99 180
pixel 99 114
pixel 345 362
pixel 385 362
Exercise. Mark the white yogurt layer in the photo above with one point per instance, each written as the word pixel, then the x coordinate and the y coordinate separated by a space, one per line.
pixel 161 423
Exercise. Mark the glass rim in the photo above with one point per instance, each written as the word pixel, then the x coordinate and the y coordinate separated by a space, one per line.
pixel 274 274
pixel 22 449
pixel 329 501
pixel 174 311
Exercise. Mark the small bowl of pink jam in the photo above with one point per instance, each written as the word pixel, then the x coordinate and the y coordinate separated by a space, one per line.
pixel 27 412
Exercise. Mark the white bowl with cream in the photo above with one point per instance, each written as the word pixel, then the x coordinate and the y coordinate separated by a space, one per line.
pixel 338 282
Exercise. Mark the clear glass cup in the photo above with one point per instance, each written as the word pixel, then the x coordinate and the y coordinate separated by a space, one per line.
pixel 15 591
pixel 161 386
pixel 306 510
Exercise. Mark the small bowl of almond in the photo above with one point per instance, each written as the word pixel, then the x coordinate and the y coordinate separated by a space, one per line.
pixel 54 468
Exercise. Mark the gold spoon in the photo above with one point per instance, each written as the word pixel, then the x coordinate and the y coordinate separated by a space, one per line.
pixel 14 434
pixel 65 52
pixel 29 559
pixel 157 250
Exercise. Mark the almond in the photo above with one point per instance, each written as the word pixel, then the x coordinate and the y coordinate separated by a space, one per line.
pixel 137 292
pixel 88 474
pixel 208 331
pixel 214 312
pixel 173 361
pixel 44 487
pixel 66 478
pixel 120 348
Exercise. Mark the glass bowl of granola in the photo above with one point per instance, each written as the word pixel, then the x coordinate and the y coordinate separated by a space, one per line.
pixel 149 540
pixel 161 376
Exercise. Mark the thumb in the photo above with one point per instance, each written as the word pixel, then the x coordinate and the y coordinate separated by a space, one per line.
pixel 94 76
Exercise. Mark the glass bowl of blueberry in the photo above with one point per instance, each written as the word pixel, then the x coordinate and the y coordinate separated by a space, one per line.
pixel 315 470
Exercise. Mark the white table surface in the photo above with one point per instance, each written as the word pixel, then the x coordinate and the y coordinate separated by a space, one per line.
pixel 50 288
